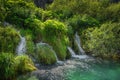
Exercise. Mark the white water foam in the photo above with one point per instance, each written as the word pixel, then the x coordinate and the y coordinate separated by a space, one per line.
pixel 21 49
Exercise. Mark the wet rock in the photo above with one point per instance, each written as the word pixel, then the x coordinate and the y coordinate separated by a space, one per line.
pixel 42 3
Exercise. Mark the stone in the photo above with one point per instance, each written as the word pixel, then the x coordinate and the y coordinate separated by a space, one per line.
pixel 42 3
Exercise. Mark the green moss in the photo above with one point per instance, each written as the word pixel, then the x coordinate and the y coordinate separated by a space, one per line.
pixel 45 54
pixel 9 39
pixel 24 64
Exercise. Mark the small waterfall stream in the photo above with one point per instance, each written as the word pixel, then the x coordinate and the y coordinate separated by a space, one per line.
pixel 76 56
pixel 82 52
pixel 21 49
pixel 77 40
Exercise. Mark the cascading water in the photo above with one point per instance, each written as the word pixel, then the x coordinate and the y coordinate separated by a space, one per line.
pixel 77 40
pixel 71 51
pixel 82 55
pixel 76 56
pixel 21 49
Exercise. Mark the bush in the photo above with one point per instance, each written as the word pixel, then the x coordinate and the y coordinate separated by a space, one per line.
pixel 54 28
pixel 7 67
pixel 9 39
pixel 102 10
pixel 112 12
pixel 24 64
pixel 54 32
pixel 60 47
pixel 45 54
pixel 35 26
pixel 103 41
pixel 19 11
pixel 81 22
pixel 30 46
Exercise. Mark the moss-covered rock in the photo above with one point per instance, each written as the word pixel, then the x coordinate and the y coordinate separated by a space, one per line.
pixel 24 64
pixel 9 39
pixel 45 54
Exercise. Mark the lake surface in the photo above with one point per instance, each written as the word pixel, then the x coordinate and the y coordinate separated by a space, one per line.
pixel 86 69
pixel 102 70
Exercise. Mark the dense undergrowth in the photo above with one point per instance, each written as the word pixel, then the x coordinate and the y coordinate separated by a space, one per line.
pixel 97 22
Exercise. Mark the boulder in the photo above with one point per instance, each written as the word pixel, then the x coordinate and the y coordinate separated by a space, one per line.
pixel 42 3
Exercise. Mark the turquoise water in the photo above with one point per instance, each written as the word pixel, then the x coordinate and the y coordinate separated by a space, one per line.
pixel 95 71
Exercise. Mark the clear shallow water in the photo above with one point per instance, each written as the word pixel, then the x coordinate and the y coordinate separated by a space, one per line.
pixel 95 71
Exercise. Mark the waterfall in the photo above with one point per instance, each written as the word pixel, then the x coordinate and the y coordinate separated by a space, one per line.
pixel 76 56
pixel 71 51
pixel 77 40
pixel 82 52
pixel 21 49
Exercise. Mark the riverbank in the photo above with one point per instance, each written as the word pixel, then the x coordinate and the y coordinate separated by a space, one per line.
pixel 58 71
pixel 75 69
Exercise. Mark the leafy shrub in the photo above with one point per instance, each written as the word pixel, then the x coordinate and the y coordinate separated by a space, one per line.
pixel 54 28
pixel 45 54
pixel 18 11
pixel 7 67
pixel 9 39
pixel 24 64
pixel 112 12
pixel 54 32
pixel 35 26
pixel 46 15
pixel 60 10
pixel 103 41
pixel 30 45
pixel 81 22
pixel 102 10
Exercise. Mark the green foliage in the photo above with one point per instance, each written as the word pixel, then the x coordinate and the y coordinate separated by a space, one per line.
pixel 11 67
pixel 24 64
pixel 81 22
pixel 99 9
pixel 30 46
pixel 54 32
pixel 19 11
pixel 103 41
pixel 9 39
pixel 60 46
pixel 45 54
pixel 54 28
pixel 35 26
pixel 3 11
pixel 7 67
pixel 112 12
